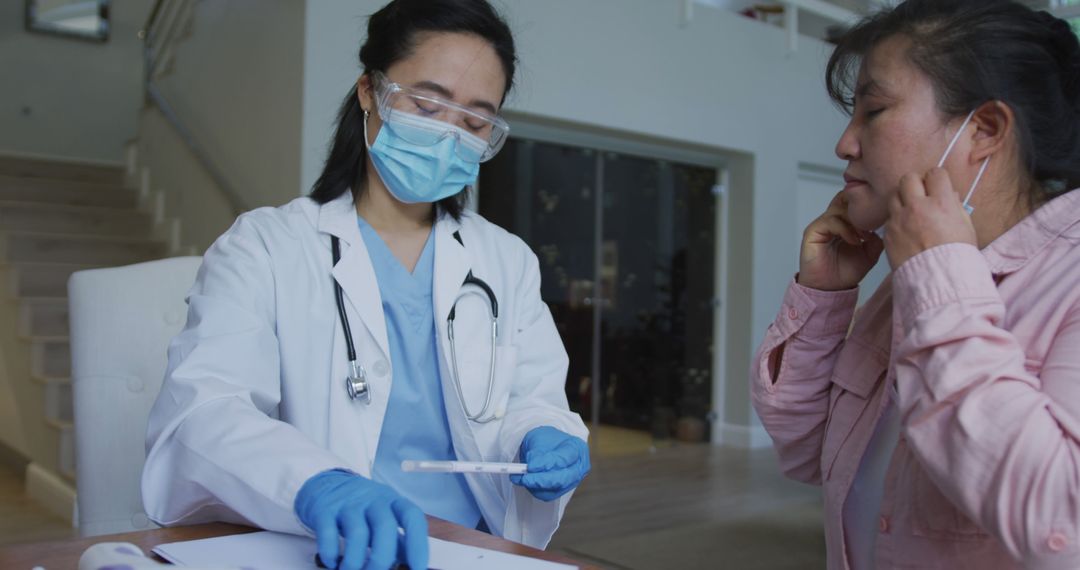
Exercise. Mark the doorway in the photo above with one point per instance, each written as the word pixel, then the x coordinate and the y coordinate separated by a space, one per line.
pixel 627 248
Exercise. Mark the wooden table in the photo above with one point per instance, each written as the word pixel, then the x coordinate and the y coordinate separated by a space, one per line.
pixel 65 554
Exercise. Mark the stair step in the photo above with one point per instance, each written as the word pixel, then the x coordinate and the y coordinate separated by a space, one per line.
pixel 42 190
pixel 89 250
pixel 41 217
pixel 51 357
pixel 44 299
pixel 43 380
pixel 43 279
pixel 66 449
pixel 41 319
pixel 41 168
pixel 59 402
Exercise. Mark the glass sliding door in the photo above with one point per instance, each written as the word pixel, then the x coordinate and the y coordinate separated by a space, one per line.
pixel 627 257
pixel 657 288
pixel 552 209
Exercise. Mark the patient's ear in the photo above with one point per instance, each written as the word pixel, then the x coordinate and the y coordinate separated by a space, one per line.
pixel 995 123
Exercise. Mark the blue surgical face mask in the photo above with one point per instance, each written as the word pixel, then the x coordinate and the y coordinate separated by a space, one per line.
pixel 982 170
pixel 423 174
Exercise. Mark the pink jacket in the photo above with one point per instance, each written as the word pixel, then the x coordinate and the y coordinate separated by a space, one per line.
pixel 984 348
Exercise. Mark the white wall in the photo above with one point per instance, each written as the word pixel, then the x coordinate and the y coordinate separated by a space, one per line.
pixel 724 83
pixel 236 84
pixel 333 32
pixel 816 188
pixel 69 98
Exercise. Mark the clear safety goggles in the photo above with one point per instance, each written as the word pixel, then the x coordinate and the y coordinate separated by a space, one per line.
pixel 423 118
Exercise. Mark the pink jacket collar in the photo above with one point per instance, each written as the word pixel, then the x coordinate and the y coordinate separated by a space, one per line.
pixel 1012 250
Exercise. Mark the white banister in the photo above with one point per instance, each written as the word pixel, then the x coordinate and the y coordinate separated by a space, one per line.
pixel 159 34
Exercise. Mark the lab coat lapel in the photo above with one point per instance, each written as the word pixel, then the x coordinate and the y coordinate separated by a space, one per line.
pixel 451 266
pixel 355 272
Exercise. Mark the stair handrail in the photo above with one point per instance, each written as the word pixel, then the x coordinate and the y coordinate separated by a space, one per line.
pixel 157 36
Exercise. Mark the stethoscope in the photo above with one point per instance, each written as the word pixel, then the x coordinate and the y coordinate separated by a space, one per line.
pixel 356 384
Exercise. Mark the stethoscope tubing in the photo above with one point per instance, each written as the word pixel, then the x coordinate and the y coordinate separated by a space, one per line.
pixel 339 296
pixel 479 416
pixel 356 384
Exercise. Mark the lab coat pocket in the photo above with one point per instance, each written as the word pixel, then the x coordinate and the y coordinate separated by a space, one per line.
pixel 486 395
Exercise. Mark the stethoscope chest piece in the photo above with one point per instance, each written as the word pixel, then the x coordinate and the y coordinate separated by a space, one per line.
pixel 356 384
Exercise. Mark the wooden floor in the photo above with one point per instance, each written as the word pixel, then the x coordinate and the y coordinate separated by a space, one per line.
pixel 663 504
pixel 23 520
pixel 611 441
pixel 646 504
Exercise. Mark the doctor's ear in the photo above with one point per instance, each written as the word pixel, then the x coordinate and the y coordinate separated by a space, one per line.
pixel 996 124
pixel 365 93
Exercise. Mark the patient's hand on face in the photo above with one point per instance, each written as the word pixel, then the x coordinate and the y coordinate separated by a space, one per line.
pixel 924 214
pixel 835 255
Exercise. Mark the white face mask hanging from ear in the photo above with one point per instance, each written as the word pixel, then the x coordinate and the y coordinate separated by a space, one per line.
pixel 978 177
pixel 982 169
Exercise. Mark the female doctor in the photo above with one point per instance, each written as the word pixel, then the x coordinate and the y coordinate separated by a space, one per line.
pixel 330 339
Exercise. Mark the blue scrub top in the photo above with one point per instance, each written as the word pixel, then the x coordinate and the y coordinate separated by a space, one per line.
pixel 415 426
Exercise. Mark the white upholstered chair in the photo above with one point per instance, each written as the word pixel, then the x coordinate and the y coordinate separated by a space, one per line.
pixel 122 320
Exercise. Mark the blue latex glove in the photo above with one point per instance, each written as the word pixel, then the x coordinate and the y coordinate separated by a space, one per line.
pixel 557 463
pixel 339 503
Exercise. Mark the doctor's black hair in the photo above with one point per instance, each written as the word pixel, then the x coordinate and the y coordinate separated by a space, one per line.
pixel 391 36
pixel 976 51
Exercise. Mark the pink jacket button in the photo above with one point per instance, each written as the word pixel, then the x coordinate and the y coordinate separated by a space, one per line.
pixel 883 524
pixel 1057 542
pixel 793 314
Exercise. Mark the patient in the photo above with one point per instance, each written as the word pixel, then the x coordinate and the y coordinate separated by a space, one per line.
pixel 944 425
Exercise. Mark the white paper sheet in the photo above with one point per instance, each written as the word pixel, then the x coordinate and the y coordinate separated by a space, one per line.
pixel 275 551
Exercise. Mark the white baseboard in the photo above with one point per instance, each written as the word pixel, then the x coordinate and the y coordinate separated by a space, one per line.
pixel 743 437
pixel 51 491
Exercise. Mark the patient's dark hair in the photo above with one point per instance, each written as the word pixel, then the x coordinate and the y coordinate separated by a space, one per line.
pixel 392 34
pixel 976 51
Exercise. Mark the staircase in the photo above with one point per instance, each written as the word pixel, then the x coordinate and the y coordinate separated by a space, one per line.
pixel 56 218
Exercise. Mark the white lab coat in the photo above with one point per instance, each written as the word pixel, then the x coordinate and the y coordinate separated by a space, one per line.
pixel 254 400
